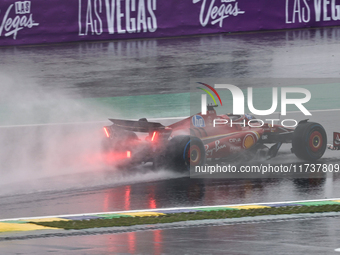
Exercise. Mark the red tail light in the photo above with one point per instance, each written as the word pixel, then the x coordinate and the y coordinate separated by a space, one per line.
pixel 106 132
pixel 128 154
pixel 154 135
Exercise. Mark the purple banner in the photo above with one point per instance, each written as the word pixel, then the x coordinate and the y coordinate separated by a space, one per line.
pixel 41 21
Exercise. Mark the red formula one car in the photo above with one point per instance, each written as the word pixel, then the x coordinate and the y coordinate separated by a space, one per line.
pixel 200 138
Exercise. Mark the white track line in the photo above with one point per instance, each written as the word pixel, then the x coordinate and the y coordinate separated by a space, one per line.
pixel 165 209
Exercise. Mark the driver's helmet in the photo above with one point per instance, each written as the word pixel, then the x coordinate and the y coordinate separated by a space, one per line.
pixel 249 117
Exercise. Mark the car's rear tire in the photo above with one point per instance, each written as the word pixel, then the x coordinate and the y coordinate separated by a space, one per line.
pixel 184 152
pixel 309 141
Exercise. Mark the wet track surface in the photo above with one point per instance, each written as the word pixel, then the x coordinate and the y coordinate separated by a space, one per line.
pixel 162 66
pixel 131 68
pixel 84 183
pixel 177 192
pixel 139 67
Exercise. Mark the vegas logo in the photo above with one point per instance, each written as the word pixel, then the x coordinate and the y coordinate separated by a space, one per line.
pixel 12 26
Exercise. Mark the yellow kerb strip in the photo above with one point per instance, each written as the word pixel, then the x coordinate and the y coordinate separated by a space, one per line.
pixel 249 207
pixel 142 214
pixel 48 220
pixel 9 227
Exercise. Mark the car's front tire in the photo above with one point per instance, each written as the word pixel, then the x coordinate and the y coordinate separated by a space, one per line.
pixel 309 141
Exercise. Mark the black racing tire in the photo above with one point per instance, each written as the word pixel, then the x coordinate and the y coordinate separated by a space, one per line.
pixel 309 141
pixel 184 152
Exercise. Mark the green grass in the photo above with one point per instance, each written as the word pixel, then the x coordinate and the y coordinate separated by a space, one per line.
pixel 177 217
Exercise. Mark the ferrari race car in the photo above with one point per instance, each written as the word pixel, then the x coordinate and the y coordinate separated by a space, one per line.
pixel 200 138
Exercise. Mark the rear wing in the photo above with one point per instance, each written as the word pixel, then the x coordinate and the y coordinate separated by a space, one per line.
pixel 141 125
